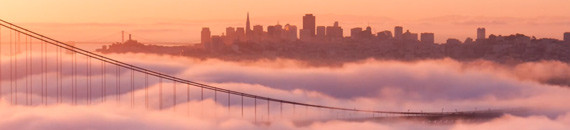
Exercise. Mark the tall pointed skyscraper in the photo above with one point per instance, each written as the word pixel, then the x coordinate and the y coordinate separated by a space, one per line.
pixel 248 31
pixel 247 24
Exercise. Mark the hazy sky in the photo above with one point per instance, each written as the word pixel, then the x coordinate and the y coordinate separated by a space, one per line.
pixel 181 20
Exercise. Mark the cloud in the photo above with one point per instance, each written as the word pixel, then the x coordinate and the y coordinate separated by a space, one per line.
pixel 429 86
pixel 113 117
pixel 521 123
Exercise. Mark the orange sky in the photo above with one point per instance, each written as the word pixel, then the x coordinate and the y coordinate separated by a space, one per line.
pixel 181 20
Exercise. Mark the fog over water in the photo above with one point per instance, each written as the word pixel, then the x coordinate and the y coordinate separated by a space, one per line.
pixel 208 42
pixel 428 86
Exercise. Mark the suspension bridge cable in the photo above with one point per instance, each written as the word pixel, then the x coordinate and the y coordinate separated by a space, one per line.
pixel 168 77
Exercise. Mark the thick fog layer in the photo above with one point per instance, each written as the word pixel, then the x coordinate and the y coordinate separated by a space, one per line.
pixel 427 86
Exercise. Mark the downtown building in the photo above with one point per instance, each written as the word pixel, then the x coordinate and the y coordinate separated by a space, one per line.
pixel 307 33
pixel 334 33
pixel 427 38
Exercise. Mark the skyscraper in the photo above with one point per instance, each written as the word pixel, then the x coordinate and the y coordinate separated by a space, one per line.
pixel 230 35
pixel 567 36
pixel 290 32
pixel 271 31
pixel 205 37
pixel 481 34
pixel 356 33
pixel 367 33
pixel 257 33
pixel 427 38
pixel 217 42
pixel 384 35
pixel 453 41
pixel 230 31
pixel 334 32
pixel 398 31
pixel 304 35
pixel 247 26
pixel 278 31
pixel 240 34
pixel 309 25
pixel 321 32
pixel 258 29
pixel 410 36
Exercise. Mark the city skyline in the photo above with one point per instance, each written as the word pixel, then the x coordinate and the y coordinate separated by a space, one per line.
pixel 285 64
pixel 176 34
pixel 312 32
pixel 447 19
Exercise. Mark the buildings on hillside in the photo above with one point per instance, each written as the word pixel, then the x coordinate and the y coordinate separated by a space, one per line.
pixel 311 33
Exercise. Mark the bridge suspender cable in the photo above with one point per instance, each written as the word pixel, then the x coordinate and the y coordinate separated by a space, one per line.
pixel 1 60
pixel 168 77
pixel 11 69
pixel 17 51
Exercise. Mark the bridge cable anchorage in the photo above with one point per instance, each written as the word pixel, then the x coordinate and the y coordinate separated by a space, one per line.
pixel 17 29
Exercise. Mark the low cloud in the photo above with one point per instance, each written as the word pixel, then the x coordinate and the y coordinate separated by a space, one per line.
pixel 429 86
